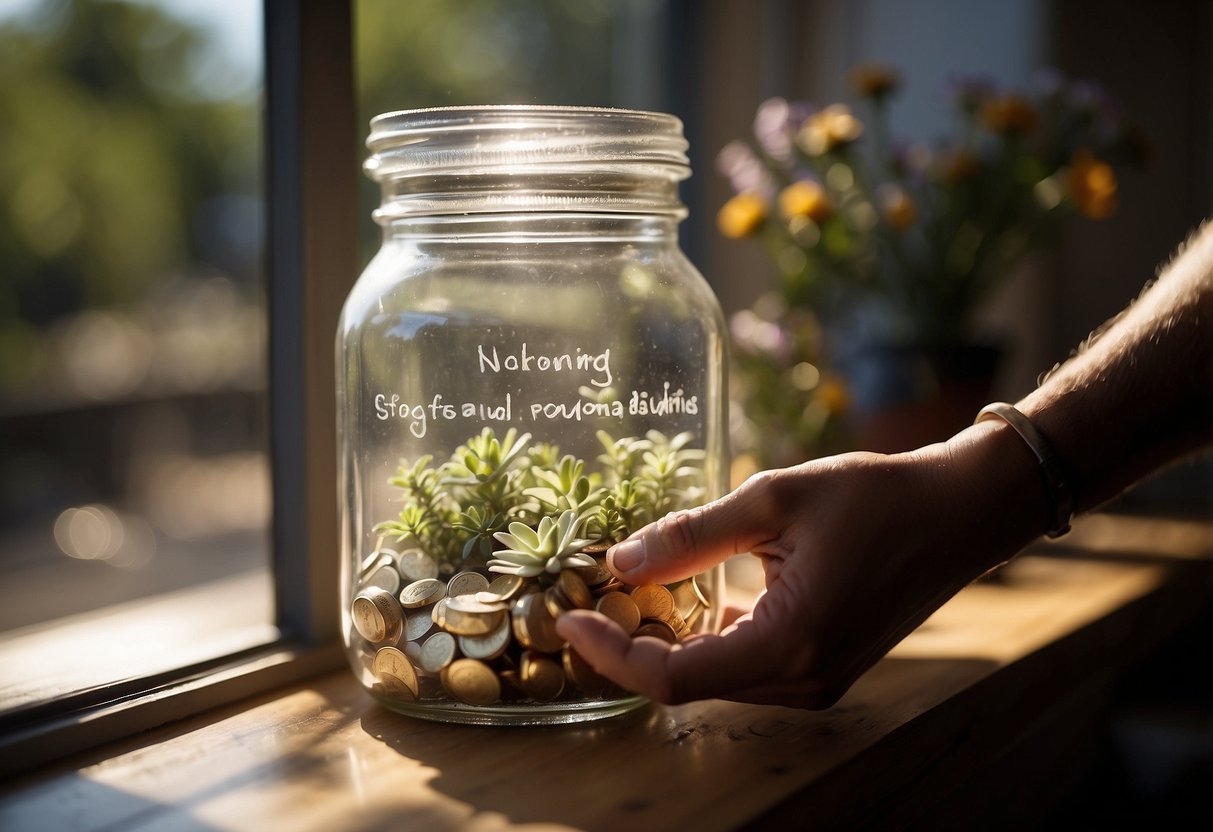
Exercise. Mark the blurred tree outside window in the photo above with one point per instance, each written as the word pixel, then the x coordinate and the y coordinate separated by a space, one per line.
pixel 132 327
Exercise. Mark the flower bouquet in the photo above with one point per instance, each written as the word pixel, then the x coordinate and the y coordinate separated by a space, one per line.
pixel 899 243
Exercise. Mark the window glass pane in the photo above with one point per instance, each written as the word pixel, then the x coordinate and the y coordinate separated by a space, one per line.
pixel 134 485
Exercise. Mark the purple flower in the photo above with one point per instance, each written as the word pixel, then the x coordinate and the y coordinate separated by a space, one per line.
pixel 745 171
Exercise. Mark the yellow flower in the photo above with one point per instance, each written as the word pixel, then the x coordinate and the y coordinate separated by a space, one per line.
pixel 1092 185
pixel 805 199
pixel 875 80
pixel 742 215
pixel 896 206
pixel 829 128
pixel 832 394
pixel 1008 114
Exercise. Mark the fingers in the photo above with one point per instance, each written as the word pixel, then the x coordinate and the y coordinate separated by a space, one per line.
pixel 688 542
pixel 706 667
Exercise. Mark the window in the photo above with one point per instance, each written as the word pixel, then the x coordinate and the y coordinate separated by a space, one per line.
pixel 161 364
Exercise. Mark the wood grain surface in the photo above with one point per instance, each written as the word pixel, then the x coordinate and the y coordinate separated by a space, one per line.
pixel 967 714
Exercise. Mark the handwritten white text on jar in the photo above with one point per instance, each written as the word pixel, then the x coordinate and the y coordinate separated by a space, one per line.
pixel 523 361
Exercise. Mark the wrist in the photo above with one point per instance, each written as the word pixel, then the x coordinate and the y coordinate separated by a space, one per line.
pixel 1003 502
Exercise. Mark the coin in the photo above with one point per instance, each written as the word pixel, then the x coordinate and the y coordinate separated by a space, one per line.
pixel 705 596
pixel 541 678
pixel 503 588
pixel 620 608
pixel 389 685
pixel 580 673
pixel 657 629
pixel 412 650
pixel 417 623
pixel 534 628
pixel 465 616
pixel 472 682
pixel 416 565
pixel 653 601
pixel 467 583
pixel 385 577
pixel 392 665
pixel 422 593
pixel 438 651
pixel 613 585
pixel 597 574
pixel 488 646
pixel 377 560
pixel 574 589
pixel 376 615
pixel 556 602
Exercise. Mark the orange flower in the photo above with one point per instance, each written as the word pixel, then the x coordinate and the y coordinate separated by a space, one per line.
pixel 829 128
pixel 805 199
pixel 875 80
pixel 742 215
pixel 896 206
pixel 1008 114
pixel 1092 185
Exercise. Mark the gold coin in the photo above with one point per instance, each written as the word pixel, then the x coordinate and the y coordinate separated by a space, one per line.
pixel 488 646
pixel 503 588
pixel 422 593
pixel 417 623
pixel 540 677
pixel 465 616
pixel 438 651
pixel 613 585
pixel 471 681
pixel 376 615
pixel 580 673
pixel 466 583
pixel 701 591
pixel 653 601
pixel 416 565
pixel 391 665
pixel 657 629
pixel 574 589
pixel 534 627
pixel 597 574
pixel 620 608
pixel 685 598
pixel 556 602
pixel 389 685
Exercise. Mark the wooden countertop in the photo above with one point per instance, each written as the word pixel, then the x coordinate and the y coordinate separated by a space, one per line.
pixel 980 707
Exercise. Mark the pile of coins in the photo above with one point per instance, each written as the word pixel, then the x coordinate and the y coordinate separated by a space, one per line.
pixel 483 642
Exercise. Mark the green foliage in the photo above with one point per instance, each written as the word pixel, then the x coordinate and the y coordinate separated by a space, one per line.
pixel 493 489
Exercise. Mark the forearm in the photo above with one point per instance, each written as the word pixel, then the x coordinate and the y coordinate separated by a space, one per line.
pixel 1140 394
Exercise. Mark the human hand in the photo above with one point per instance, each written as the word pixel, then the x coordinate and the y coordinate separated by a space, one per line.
pixel 858 550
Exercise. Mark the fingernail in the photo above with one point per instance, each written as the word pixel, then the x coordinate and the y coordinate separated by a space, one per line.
pixel 628 555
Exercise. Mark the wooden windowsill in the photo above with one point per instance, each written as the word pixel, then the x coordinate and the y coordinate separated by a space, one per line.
pixel 981 707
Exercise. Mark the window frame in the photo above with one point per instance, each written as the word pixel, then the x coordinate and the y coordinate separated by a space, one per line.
pixel 312 256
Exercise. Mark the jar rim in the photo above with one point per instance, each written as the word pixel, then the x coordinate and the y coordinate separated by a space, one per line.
pixel 457 159
pixel 474 137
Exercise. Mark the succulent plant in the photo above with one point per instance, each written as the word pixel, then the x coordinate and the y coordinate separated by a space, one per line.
pixel 549 548
pixel 543 506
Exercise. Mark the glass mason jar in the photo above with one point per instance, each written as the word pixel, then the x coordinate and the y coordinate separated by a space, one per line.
pixel 527 371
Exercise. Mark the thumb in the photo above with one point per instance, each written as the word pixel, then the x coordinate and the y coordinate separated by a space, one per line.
pixel 687 542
